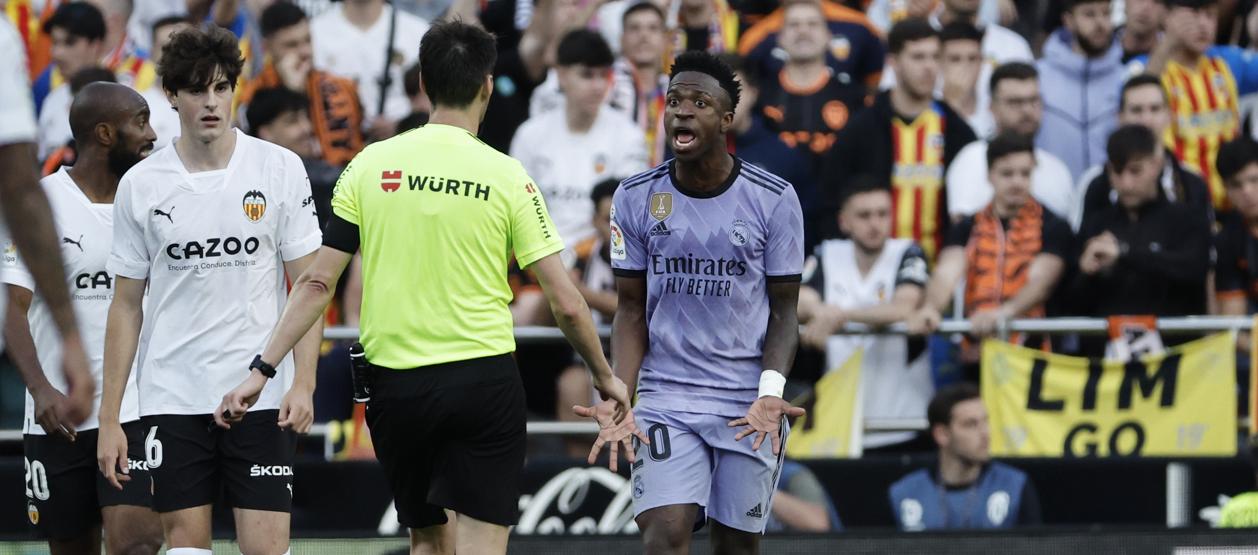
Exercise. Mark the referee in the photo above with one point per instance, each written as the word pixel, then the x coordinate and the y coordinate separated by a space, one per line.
pixel 437 214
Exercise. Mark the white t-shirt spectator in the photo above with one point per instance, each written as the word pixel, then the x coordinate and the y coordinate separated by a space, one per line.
pixel 568 165
pixel 969 191
pixel 85 231
pixel 358 54
pixel 212 246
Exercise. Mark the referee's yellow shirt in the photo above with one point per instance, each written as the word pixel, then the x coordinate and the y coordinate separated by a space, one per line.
pixel 439 215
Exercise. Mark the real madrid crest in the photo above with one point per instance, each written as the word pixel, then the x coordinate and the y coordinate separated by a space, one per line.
pixel 32 512
pixel 254 205
pixel 661 205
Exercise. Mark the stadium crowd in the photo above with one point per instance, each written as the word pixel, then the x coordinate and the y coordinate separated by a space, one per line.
pixel 976 159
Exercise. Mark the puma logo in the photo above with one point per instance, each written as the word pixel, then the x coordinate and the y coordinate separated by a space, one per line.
pixel 159 212
pixel 69 241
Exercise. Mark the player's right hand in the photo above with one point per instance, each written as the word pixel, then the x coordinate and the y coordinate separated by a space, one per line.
pixel 111 454
pixel 50 405
pixel 81 388
pixel 611 432
pixel 614 389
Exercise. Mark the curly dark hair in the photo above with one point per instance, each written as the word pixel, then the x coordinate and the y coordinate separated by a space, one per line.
pixel 194 57
pixel 699 61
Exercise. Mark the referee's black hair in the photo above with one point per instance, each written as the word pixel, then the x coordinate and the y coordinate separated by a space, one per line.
pixel 454 60
pixel 699 61
pixel 1234 156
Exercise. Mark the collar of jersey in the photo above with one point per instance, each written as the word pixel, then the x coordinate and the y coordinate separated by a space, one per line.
pixel 729 182
pixel 186 181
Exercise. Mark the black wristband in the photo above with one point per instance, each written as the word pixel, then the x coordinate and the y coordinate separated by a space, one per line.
pixel 266 369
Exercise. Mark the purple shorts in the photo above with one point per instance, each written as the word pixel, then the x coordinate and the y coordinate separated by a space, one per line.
pixel 693 459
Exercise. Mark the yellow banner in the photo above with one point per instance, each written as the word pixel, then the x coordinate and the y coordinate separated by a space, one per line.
pixel 1182 403
pixel 832 427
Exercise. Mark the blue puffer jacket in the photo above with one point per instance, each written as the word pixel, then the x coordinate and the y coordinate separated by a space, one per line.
pixel 1080 101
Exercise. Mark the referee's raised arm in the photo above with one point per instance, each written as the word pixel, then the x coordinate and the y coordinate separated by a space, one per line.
pixel 437 214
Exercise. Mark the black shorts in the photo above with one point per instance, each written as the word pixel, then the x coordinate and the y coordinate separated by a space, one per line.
pixel 451 436
pixel 65 489
pixel 194 458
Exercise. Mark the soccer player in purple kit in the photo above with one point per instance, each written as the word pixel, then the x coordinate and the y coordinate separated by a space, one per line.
pixel 707 252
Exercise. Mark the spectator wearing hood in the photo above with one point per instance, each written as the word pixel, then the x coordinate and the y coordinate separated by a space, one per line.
pixel 1083 63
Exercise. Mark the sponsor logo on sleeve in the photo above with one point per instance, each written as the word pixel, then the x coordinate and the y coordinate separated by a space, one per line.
pixel 618 242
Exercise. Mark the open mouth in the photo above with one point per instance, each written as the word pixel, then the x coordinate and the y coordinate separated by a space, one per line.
pixel 210 120
pixel 683 139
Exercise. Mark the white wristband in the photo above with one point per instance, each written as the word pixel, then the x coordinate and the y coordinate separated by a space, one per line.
pixel 772 384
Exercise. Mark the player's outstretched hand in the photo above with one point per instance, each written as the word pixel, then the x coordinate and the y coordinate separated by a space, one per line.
pixel 237 401
pixel 297 409
pixel 610 432
pixel 80 386
pixel 111 454
pixel 764 418
pixel 50 406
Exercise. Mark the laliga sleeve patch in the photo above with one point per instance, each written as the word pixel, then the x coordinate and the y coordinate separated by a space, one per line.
pixel 618 242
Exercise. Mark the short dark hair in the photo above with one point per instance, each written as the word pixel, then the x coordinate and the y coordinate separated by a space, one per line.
pixel 605 189
pixel 960 30
pixel 1008 143
pixel 1142 80
pixel 861 184
pixel 939 411
pixel 583 47
pixel 909 30
pixel 195 56
pixel 89 75
pixel 700 61
pixel 267 105
pixel 79 19
pixel 1013 71
pixel 411 80
pixel 168 20
pixel 414 120
pixel 454 59
pixel 278 16
pixel 642 6
pixel 1234 156
pixel 750 72
pixel 1128 143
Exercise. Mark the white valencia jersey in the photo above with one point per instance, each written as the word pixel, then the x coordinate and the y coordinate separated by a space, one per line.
pixel 17 110
pixel 212 245
pixel 892 385
pixel 567 165
pixel 84 231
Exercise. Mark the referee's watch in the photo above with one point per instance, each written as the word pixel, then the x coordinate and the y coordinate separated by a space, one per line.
pixel 266 369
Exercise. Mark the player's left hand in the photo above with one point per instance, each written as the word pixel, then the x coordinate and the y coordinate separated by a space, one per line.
pixel 610 432
pixel 237 401
pixel 764 418
pixel 297 409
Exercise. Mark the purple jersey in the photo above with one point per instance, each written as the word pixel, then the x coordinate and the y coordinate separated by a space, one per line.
pixel 706 260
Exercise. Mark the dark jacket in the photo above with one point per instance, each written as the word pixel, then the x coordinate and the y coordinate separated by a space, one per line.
pixel 1162 271
pixel 1189 190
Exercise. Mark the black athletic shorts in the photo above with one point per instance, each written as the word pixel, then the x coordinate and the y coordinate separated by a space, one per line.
pixel 65 489
pixel 451 436
pixel 194 458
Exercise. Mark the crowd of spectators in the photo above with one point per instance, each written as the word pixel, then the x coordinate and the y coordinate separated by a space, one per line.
pixel 985 159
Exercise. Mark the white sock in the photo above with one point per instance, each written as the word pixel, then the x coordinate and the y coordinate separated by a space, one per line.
pixel 188 551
